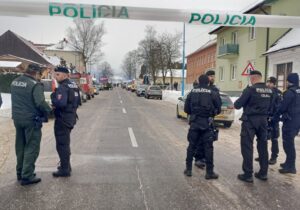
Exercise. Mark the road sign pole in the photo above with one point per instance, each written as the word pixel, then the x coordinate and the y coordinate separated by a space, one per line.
pixel 183 61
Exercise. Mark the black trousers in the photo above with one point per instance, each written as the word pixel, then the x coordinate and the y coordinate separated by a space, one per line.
pixel 62 136
pixel 203 137
pixel 254 126
pixel 289 131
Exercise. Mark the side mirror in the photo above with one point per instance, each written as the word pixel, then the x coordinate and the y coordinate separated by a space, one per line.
pixel 180 99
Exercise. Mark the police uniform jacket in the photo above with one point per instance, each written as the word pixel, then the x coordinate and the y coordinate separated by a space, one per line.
pixel 256 100
pixel 290 105
pixel 28 100
pixel 277 98
pixel 201 104
pixel 66 99
pixel 0 100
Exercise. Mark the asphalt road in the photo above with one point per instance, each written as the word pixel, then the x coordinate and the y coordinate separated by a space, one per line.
pixel 129 153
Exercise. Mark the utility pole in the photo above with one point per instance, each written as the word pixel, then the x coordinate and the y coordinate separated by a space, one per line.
pixel 183 61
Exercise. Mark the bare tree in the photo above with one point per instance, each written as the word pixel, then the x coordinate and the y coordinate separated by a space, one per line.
pixel 131 64
pixel 87 38
pixel 148 49
pixel 172 46
pixel 105 70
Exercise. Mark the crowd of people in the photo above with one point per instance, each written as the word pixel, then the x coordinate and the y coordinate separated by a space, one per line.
pixel 263 107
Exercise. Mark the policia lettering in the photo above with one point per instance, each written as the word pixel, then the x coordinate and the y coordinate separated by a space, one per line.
pixel 216 19
pixel 74 11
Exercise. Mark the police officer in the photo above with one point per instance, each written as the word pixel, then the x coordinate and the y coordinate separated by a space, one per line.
pixel 29 110
pixel 256 102
pixel 289 108
pixel 199 155
pixel 202 104
pixel 65 101
pixel 273 127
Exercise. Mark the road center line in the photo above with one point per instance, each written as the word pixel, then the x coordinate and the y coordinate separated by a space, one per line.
pixel 124 110
pixel 132 138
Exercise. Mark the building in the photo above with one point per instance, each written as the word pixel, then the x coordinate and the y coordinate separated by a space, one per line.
pixel 16 53
pixel 239 46
pixel 201 60
pixel 176 74
pixel 284 57
pixel 67 54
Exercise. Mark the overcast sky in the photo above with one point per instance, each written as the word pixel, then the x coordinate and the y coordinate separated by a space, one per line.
pixel 122 35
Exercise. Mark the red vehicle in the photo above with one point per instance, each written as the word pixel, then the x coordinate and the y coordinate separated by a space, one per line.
pixel 82 80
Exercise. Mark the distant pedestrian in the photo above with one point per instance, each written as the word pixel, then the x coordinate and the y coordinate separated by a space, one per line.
pixel 175 85
pixel 29 110
pixel 289 108
pixel 65 101
pixel 195 84
pixel 256 102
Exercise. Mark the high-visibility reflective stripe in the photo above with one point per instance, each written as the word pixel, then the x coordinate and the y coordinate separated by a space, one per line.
pixel 86 11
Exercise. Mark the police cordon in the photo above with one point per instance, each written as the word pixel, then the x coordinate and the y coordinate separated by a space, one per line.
pixel 93 11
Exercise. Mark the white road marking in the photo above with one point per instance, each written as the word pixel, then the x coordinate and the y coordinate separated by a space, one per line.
pixel 124 110
pixel 132 138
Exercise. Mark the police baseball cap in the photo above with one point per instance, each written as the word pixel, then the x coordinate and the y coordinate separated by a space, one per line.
pixel 272 80
pixel 62 69
pixel 34 67
pixel 255 72
pixel 210 73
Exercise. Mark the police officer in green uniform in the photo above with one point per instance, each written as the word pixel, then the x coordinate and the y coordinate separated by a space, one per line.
pixel 29 110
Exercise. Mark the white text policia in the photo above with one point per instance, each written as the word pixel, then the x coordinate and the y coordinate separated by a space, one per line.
pixel 215 19
pixel 92 11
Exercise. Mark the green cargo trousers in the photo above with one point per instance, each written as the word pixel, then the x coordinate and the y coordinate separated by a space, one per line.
pixel 28 139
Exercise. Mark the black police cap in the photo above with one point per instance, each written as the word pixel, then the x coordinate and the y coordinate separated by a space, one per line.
pixel 255 72
pixel 34 67
pixel 272 80
pixel 62 69
pixel 210 73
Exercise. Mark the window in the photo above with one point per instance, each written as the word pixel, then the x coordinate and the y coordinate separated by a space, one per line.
pixel 221 70
pixel 234 37
pixel 233 72
pixel 252 33
pixel 223 41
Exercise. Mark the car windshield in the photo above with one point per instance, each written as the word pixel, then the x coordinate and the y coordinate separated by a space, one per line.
pixel 47 86
pixel 155 88
pixel 226 101
pixel 143 86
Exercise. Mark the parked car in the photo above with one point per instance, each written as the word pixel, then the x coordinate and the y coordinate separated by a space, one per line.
pixel 141 89
pixel 153 91
pixel 49 86
pixel 226 117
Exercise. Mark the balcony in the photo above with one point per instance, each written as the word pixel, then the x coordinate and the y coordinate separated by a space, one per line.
pixel 228 51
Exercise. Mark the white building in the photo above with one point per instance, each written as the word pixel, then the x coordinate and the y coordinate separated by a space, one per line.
pixel 284 57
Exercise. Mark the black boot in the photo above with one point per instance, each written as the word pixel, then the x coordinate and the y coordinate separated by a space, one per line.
pixel 245 178
pixel 200 164
pixel 34 180
pixel 187 172
pixel 287 171
pixel 272 161
pixel 19 176
pixel 260 176
pixel 283 165
pixel 61 173
pixel 211 175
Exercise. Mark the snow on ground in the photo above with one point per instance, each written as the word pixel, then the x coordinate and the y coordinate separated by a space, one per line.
pixel 6 106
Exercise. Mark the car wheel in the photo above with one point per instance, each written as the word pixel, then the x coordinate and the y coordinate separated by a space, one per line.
pixel 88 97
pixel 160 98
pixel 227 124
pixel 177 112
pixel 93 96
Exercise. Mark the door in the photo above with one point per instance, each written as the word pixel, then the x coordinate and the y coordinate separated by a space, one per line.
pixel 282 72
